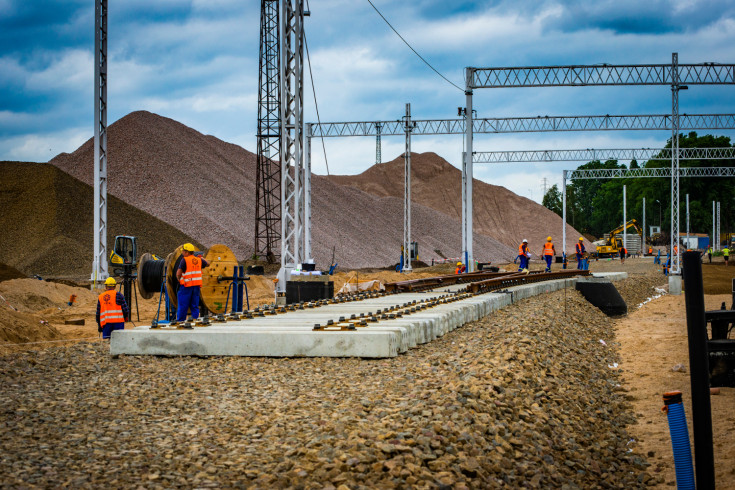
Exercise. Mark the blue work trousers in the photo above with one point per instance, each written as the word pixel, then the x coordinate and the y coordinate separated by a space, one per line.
pixel 109 327
pixel 581 263
pixel 523 262
pixel 188 298
pixel 548 259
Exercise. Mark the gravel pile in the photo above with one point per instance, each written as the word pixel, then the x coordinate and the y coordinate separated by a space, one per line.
pixel 522 398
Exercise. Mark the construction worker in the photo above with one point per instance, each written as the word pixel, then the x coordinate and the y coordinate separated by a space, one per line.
pixel 460 268
pixel 189 275
pixel 726 254
pixel 548 253
pixel 623 254
pixel 112 310
pixel 523 255
pixel 580 250
pixel 709 253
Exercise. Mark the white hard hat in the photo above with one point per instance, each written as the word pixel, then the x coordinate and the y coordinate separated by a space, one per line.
pixel 525 241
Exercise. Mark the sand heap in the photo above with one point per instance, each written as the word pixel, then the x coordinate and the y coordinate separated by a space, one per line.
pixel 47 222
pixel 497 212
pixel 206 188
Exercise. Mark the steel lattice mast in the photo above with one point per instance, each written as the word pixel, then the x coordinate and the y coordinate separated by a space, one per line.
pixel 99 264
pixel 268 169
pixel 292 137
pixel 601 154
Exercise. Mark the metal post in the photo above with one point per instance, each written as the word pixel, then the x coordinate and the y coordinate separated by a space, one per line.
pixel 687 247
pixel 564 212
pixel 378 156
pixel 719 239
pixel 408 127
pixel 99 263
pixel 307 193
pixel 675 163
pixel 643 236
pixel 699 371
pixel 467 176
pixel 625 222
pixel 714 222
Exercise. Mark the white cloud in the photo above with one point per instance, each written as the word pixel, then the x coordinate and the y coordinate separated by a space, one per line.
pixel 69 70
pixel 42 147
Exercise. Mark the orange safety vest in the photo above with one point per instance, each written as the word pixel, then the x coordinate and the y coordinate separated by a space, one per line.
pixel 193 274
pixel 110 311
pixel 650 250
pixel 548 248
pixel 521 249
pixel 579 248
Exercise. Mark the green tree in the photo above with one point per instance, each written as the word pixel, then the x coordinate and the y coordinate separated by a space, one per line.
pixel 553 200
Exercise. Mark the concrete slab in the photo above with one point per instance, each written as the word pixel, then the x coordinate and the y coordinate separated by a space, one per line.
pixel 291 334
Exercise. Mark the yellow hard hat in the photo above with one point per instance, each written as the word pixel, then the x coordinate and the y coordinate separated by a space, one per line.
pixel 110 281
pixel 459 263
pixel 548 238
pixel 188 247
pixel 581 239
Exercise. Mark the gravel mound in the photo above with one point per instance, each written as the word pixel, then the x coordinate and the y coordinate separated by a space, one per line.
pixel 522 398
pixel 47 222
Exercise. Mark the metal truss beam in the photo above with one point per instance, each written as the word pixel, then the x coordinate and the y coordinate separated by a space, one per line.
pixel 99 263
pixel 536 124
pixel 603 74
pixel 268 169
pixel 602 155
pixel 634 173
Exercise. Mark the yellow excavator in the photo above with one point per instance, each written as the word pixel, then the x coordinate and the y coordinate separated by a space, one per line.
pixel 609 247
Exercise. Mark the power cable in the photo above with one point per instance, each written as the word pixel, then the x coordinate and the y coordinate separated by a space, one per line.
pixel 410 47
pixel 313 91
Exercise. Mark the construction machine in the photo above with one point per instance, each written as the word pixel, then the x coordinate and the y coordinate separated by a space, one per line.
pixel 613 241
pixel 124 260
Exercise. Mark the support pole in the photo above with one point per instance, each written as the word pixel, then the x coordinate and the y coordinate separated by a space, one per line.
pixel 625 222
pixel 644 249
pixel 699 369
pixel 564 212
pixel 719 239
pixel 714 223
pixel 378 148
pixel 687 247
pixel 675 87
pixel 408 127
pixel 467 176
pixel 307 193
pixel 99 263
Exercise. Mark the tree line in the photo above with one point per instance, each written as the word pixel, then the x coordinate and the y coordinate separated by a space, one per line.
pixel 595 206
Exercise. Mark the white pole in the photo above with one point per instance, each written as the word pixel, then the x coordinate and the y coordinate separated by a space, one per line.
pixel 564 213
pixel 467 175
pixel 718 226
pixel 643 236
pixel 688 246
pixel 625 222
pixel 712 245
pixel 407 193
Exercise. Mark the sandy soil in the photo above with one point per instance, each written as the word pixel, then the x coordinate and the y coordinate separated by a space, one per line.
pixel 653 340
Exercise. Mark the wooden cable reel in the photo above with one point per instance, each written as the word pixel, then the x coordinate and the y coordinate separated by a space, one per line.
pixel 214 293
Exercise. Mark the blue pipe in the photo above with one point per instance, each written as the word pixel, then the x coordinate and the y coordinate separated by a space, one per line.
pixel 679 440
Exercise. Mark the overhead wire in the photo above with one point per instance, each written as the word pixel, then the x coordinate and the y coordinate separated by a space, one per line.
pixel 411 48
pixel 316 104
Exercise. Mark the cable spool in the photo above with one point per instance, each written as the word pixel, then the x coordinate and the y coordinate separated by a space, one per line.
pixel 150 275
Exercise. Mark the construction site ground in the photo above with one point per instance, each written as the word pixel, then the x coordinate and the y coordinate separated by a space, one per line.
pixel 473 408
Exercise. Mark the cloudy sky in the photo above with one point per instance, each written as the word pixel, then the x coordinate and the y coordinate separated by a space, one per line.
pixel 197 61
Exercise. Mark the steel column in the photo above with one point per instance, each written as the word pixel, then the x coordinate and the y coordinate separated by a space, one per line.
pixel 99 263
pixel 643 237
pixel 467 176
pixel 378 156
pixel 307 193
pixel 564 212
pixel 714 222
pixel 687 221
pixel 719 238
pixel 406 249
pixel 675 163
pixel 625 220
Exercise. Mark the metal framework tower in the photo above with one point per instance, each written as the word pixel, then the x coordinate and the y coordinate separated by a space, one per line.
pixel 718 243
pixel 378 156
pixel 268 169
pixel 292 138
pixel 674 239
pixel 408 126
pixel 99 263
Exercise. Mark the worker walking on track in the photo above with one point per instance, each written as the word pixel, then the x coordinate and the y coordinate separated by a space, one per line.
pixel 112 310
pixel 189 275
pixel 523 255
pixel 580 251
pixel 548 253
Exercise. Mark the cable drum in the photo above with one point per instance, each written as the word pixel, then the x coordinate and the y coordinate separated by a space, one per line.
pixel 150 275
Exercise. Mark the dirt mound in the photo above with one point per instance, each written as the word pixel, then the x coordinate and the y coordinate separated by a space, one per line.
pixel 497 212
pixel 7 273
pixel 34 296
pixel 47 222
pixel 17 327
pixel 206 188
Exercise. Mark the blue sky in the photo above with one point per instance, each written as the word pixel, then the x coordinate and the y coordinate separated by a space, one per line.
pixel 197 61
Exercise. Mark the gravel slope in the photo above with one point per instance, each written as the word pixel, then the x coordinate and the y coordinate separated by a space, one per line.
pixel 522 398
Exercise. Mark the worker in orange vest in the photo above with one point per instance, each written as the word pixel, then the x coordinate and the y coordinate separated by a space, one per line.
pixel 112 310
pixel 460 268
pixel 580 250
pixel 189 275
pixel 548 253
pixel 523 255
